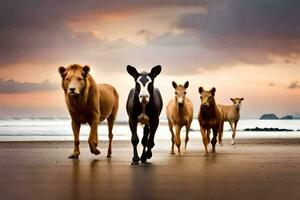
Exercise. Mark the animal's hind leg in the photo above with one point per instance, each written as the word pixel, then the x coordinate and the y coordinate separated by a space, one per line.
pixel 214 140
pixel 144 143
pixel 110 124
pixel 220 134
pixel 134 141
pixel 172 137
pixel 187 128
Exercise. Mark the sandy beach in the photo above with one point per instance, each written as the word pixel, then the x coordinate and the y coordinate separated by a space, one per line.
pixel 252 169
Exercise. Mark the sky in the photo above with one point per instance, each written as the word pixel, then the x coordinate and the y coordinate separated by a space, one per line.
pixel 248 49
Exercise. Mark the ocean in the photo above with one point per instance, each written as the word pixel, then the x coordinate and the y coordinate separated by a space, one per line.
pixel 59 129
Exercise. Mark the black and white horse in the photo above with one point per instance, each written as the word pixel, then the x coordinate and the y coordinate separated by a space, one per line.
pixel 144 105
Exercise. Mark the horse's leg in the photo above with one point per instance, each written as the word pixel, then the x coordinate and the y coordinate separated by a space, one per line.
pixel 76 129
pixel 214 139
pixel 220 134
pixel 150 144
pixel 187 129
pixel 204 140
pixel 208 135
pixel 134 141
pixel 173 137
pixel 144 143
pixel 234 132
pixel 110 124
pixel 232 129
pixel 93 137
pixel 177 137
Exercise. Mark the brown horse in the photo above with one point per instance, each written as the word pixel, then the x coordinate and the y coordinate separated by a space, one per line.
pixel 209 117
pixel 179 114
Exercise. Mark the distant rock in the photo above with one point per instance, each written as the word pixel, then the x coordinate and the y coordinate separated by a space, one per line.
pixel 268 129
pixel 269 116
pixel 287 117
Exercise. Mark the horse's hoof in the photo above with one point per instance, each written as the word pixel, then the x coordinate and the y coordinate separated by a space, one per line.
pixel 221 144
pixel 108 156
pixel 232 142
pixel 96 152
pixel 143 158
pixel 149 154
pixel 135 163
pixel 73 156
pixel 205 154
pixel 172 153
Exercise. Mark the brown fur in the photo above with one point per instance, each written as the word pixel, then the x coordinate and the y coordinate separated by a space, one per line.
pixel 91 104
pixel 209 117
pixel 231 114
pixel 179 115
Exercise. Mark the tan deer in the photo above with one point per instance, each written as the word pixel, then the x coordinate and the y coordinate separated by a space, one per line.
pixel 232 115
pixel 179 114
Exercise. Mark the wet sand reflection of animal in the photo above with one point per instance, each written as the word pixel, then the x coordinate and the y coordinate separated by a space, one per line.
pixel 209 117
pixel 144 105
pixel 179 114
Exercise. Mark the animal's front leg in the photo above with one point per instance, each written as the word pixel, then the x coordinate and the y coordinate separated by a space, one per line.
pixel 187 129
pixel 172 137
pixel 234 132
pixel 204 140
pixel 93 137
pixel 76 129
pixel 150 145
pixel 231 123
pixel 134 141
pixel 177 138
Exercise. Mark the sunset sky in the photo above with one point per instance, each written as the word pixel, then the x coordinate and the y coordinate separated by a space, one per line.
pixel 244 48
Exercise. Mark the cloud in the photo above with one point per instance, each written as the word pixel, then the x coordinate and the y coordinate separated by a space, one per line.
pixel 294 85
pixel 256 32
pixel 11 86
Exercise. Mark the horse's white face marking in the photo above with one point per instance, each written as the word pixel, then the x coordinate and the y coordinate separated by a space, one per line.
pixel 144 95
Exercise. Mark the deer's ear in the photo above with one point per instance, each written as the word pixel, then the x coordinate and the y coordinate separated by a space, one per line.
pixel 62 71
pixel 232 99
pixel 200 90
pixel 186 84
pixel 155 71
pixel 213 91
pixel 132 71
pixel 174 84
pixel 242 99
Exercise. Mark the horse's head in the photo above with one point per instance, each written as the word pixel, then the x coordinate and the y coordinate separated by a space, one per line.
pixel 144 82
pixel 207 97
pixel 180 92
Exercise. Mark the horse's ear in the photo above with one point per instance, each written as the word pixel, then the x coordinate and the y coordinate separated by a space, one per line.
pixel 186 84
pixel 132 71
pixel 62 71
pixel 174 84
pixel 200 90
pixel 155 71
pixel 86 69
pixel 213 91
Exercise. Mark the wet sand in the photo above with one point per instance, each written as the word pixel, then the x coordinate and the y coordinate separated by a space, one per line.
pixel 252 169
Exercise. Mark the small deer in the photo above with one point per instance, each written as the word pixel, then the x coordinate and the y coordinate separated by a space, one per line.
pixel 232 115
pixel 179 114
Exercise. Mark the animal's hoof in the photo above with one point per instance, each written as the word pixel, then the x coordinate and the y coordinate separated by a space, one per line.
pixel 73 156
pixel 172 153
pixel 221 144
pixel 108 156
pixel 143 158
pixel 205 154
pixel 149 154
pixel 232 142
pixel 213 150
pixel 135 163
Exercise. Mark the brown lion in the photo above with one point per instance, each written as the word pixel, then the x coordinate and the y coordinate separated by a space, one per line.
pixel 88 103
